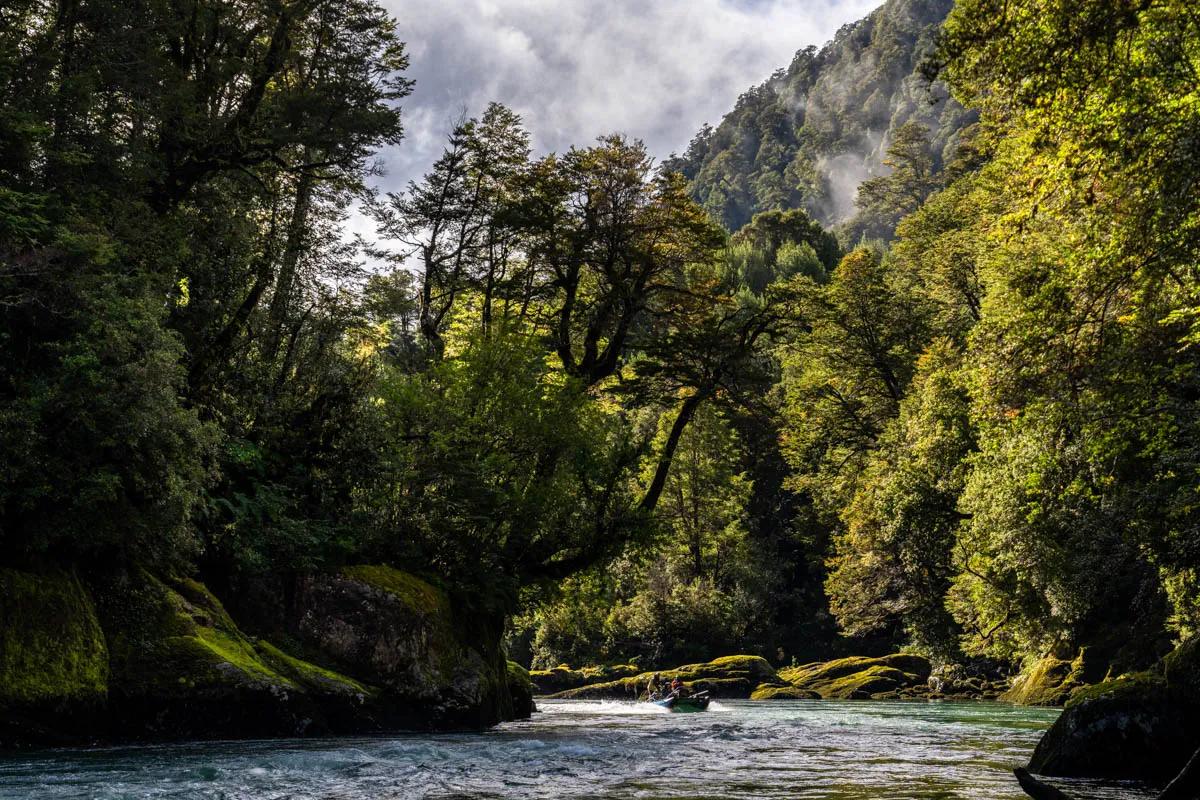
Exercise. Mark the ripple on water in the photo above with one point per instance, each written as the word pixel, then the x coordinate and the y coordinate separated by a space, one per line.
pixel 575 749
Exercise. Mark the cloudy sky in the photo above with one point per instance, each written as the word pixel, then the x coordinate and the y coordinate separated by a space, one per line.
pixel 575 69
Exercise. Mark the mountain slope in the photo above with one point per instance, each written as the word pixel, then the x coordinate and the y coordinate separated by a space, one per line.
pixel 809 135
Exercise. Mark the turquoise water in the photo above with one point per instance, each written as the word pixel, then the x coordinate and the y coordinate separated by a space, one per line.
pixel 574 749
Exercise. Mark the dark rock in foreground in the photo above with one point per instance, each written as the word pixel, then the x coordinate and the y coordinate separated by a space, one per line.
pixel 1137 727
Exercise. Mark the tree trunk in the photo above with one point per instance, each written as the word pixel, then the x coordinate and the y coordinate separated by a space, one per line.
pixel 1186 785
pixel 293 248
pixel 686 412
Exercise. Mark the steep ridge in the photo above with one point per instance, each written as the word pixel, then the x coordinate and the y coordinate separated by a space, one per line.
pixel 809 135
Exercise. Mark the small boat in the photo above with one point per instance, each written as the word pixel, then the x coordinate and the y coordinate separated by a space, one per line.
pixel 692 702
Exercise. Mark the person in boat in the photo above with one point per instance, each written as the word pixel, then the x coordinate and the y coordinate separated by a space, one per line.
pixel 677 687
pixel 653 688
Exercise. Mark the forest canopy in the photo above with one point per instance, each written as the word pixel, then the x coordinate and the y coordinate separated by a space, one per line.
pixel 622 409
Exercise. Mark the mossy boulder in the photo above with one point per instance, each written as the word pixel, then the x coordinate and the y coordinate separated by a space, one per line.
pixel 53 659
pixel 768 691
pixel 1140 726
pixel 181 668
pixel 728 676
pixel 563 677
pixel 1048 681
pixel 859 677
pixel 873 680
pixel 136 656
pixel 401 634
pixel 557 679
pixel 520 688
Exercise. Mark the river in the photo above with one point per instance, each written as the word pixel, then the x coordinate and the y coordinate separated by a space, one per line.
pixel 573 749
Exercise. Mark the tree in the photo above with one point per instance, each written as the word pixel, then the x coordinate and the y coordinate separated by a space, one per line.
pixel 894 561
pixel 848 373
pixel 884 200
pixel 453 221
pixel 170 176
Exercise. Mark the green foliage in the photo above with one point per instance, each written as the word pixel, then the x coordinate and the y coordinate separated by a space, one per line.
pixel 847 374
pixel 146 213
pixel 884 200
pixel 497 466
pixel 1033 473
pixel 977 430
pixel 894 560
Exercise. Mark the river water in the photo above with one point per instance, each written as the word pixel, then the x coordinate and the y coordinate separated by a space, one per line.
pixel 573 749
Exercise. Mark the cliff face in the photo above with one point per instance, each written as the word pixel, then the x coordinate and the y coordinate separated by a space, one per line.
pixel 809 135
pixel 139 657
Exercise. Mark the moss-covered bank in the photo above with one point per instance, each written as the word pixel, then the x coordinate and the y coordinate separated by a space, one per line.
pixel 562 677
pixel 1049 681
pixel 899 676
pixel 137 656
pixel 860 677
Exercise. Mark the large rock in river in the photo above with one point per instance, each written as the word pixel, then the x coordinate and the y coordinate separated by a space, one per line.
pixel 135 656
pixel 728 676
pixel 859 677
pixel 1138 727
pixel 180 668
pixel 397 632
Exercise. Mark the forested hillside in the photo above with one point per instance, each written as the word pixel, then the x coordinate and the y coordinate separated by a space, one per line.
pixel 809 135
pixel 582 408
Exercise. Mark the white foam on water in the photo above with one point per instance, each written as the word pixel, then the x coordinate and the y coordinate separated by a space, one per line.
pixel 602 707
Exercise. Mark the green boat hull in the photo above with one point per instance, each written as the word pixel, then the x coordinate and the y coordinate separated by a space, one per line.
pixel 685 705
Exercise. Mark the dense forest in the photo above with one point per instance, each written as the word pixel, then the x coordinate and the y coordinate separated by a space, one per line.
pixel 619 410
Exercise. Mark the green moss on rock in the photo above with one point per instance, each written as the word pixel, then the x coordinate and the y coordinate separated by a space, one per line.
pixel 770 692
pixel 873 680
pixel 1139 726
pixel 176 639
pixel 434 667
pixel 562 677
pixel 859 677
pixel 52 650
pixel 520 688
pixel 1049 681
pixel 1181 669
pixel 181 668
pixel 728 676
pixel 414 592
pixel 558 679
pixel 310 676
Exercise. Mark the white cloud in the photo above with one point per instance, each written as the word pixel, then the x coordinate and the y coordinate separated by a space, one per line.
pixel 576 69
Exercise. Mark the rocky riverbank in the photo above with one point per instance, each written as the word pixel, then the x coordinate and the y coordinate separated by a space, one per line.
pixel 899 676
pixel 144 657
